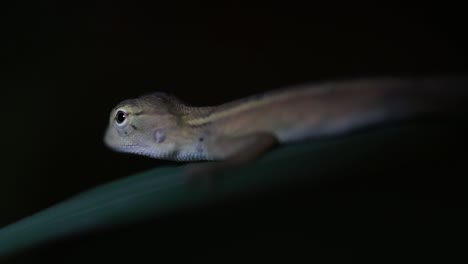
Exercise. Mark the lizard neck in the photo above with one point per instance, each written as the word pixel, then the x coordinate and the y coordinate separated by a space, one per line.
pixel 190 114
pixel 204 116
pixel 188 142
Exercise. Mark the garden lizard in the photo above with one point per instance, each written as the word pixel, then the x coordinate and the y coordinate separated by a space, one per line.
pixel 161 126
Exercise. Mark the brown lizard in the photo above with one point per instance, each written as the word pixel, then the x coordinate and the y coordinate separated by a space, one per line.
pixel 161 126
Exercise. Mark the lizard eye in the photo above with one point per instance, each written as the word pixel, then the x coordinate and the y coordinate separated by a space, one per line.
pixel 120 117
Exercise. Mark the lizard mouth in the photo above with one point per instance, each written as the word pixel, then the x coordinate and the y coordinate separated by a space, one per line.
pixel 129 147
pixel 139 150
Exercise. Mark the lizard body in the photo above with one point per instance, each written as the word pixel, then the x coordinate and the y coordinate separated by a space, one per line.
pixel 161 126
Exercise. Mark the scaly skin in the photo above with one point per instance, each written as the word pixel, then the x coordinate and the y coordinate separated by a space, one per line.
pixel 160 126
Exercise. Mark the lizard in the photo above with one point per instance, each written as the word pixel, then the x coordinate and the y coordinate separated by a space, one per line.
pixel 162 126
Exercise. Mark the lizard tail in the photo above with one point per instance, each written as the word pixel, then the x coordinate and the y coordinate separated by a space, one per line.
pixel 431 95
pixel 378 101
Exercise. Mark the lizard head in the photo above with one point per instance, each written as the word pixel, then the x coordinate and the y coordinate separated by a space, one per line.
pixel 142 126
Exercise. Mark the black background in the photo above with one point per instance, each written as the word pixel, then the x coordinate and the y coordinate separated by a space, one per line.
pixel 67 63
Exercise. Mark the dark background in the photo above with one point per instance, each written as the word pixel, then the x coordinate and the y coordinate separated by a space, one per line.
pixel 65 64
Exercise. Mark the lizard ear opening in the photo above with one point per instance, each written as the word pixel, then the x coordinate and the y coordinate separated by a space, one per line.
pixel 159 135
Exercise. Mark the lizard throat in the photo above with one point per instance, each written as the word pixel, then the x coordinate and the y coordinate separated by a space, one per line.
pixel 175 155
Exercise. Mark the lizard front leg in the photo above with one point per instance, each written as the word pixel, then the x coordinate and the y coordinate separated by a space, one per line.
pixel 232 152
